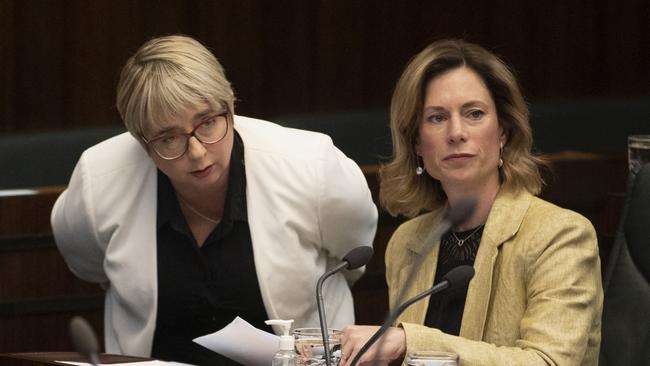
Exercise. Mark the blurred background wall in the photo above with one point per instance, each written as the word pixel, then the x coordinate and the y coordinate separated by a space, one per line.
pixel 60 59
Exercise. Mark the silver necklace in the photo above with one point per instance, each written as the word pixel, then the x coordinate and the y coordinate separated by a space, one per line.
pixel 460 241
pixel 216 222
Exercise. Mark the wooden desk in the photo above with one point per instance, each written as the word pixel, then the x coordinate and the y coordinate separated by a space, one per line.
pixel 49 358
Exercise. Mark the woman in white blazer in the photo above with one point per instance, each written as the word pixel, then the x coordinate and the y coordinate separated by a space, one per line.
pixel 197 214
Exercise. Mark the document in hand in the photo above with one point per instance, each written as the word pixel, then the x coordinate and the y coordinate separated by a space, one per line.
pixel 243 343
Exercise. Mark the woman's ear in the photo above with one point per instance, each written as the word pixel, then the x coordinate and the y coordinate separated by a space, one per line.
pixel 503 137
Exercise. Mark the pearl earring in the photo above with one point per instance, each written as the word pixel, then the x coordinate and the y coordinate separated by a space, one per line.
pixel 500 155
pixel 419 170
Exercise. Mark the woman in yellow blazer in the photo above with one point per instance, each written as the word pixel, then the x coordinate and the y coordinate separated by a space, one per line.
pixel 460 129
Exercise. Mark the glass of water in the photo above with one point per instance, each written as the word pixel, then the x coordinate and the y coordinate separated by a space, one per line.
pixel 309 346
pixel 431 358
pixel 638 152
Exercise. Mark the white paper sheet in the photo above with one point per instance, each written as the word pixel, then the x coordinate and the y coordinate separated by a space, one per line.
pixel 242 343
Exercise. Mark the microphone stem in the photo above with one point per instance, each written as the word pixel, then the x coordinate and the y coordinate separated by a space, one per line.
pixel 432 239
pixel 321 310
pixel 392 316
pixel 94 359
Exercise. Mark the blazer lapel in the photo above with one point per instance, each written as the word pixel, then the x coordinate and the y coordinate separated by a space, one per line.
pixel 479 290
pixel 502 224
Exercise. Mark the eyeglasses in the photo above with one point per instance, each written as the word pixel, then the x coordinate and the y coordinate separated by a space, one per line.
pixel 172 146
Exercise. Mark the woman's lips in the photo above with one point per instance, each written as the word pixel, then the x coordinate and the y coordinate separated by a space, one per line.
pixel 203 172
pixel 458 157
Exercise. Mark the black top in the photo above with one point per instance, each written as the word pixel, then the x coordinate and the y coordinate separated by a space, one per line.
pixel 445 311
pixel 202 289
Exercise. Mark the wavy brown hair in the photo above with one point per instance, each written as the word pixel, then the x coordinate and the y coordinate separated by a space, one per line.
pixel 402 192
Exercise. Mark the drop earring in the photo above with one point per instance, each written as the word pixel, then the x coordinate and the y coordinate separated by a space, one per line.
pixel 419 169
pixel 500 155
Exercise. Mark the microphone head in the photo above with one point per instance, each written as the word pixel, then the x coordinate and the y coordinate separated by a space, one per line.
pixel 358 257
pixel 461 211
pixel 83 337
pixel 459 276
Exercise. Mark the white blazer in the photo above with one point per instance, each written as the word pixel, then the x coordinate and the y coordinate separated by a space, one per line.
pixel 308 205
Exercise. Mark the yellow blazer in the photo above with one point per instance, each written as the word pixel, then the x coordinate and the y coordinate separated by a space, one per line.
pixel 536 298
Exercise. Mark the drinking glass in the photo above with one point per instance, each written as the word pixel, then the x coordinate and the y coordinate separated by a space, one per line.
pixel 309 346
pixel 431 358
pixel 638 152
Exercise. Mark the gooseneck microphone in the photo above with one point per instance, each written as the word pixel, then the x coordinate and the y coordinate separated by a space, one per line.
pixel 456 278
pixel 84 340
pixel 453 216
pixel 355 258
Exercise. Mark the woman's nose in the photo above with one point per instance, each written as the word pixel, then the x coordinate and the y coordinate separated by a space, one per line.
pixel 195 148
pixel 457 132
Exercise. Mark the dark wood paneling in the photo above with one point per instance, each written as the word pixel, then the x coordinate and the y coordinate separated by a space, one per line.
pixel 31 272
pixel 61 58
pixel 38 293
pixel 27 214
pixel 7 68
pixel 45 331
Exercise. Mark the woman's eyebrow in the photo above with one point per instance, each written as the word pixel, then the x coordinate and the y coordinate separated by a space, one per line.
pixel 165 131
pixel 433 108
pixel 201 115
pixel 473 103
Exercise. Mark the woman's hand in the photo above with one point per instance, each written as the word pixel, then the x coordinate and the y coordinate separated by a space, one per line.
pixel 393 344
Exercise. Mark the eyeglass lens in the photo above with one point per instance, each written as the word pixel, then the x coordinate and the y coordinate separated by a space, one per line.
pixel 210 131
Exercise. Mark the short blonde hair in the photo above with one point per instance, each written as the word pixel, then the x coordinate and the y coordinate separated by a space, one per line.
pixel 401 190
pixel 164 77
